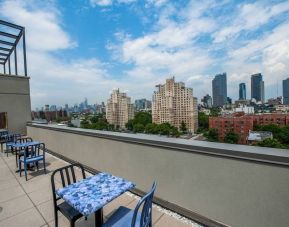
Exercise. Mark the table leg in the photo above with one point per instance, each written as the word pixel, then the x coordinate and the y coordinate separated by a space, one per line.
pixel 98 217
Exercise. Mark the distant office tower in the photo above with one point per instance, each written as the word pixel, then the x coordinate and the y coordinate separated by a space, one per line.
pixel 229 101
pixel 142 104
pixel 286 91
pixel 257 87
pixel 119 109
pixel 242 91
pixel 207 101
pixel 174 103
pixel 219 85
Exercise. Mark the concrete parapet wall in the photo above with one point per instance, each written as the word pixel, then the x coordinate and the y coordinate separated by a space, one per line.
pixel 235 185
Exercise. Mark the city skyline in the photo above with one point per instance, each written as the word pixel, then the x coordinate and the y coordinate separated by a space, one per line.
pixel 134 45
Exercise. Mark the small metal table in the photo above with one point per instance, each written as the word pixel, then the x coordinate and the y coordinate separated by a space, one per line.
pixel 90 195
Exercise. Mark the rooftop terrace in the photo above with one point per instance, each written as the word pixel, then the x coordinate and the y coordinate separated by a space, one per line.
pixel 29 203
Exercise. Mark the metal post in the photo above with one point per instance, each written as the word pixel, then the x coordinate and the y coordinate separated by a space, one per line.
pixel 4 67
pixel 9 67
pixel 24 52
pixel 15 60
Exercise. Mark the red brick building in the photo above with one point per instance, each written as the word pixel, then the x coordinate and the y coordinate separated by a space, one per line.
pixel 243 124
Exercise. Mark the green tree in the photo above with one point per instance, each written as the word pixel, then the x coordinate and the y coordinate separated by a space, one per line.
pixel 183 127
pixel 283 136
pixel 94 119
pixel 203 121
pixel 175 132
pixel 129 125
pixel 84 124
pixel 138 127
pixel 215 111
pixel 164 128
pixel 143 118
pixel 231 137
pixel 212 135
pixel 151 128
pixel 270 143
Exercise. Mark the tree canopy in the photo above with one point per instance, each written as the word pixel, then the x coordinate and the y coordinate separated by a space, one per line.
pixel 231 137
pixel 212 135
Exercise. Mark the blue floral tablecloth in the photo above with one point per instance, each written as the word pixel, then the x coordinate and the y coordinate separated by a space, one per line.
pixel 92 193
pixel 24 145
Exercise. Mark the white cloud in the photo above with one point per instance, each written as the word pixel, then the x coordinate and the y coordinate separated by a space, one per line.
pixel 156 3
pixel 105 3
pixel 100 2
pixel 250 16
pixel 43 26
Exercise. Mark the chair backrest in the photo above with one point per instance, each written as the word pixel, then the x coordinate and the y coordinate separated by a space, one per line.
pixel 146 213
pixel 35 150
pixel 24 140
pixel 12 138
pixel 2 133
pixel 67 176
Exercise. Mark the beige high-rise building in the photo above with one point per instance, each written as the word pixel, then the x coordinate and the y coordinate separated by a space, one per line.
pixel 119 109
pixel 174 103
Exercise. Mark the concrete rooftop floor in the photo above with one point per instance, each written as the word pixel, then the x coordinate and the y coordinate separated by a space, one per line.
pixel 29 203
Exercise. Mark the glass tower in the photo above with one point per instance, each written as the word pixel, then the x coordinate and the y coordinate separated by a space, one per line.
pixel 286 91
pixel 219 85
pixel 257 87
pixel 242 91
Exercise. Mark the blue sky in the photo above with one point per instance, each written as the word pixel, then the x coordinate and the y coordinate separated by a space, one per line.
pixel 86 48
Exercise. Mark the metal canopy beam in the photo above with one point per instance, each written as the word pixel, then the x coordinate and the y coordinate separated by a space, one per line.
pixel 6 43
pixel 8 24
pixel 11 45
pixel 4 49
pixel 8 35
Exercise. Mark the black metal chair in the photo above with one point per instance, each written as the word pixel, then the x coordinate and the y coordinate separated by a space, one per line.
pixel 67 176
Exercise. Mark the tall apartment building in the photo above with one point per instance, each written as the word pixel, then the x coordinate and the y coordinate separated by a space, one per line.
pixel 119 109
pixel 242 91
pixel 257 87
pixel 286 91
pixel 174 103
pixel 219 86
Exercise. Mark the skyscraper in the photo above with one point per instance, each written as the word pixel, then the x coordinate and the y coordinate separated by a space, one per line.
pixel 119 109
pixel 286 91
pixel 142 104
pixel 174 103
pixel 207 101
pixel 257 87
pixel 242 91
pixel 219 85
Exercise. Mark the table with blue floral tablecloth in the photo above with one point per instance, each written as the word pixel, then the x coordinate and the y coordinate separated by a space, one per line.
pixel 92 193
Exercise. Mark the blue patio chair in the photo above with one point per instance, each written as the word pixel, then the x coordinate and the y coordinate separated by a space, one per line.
pixel 10 139
pixel 20 152
pixel 32 156
pixel 125 217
